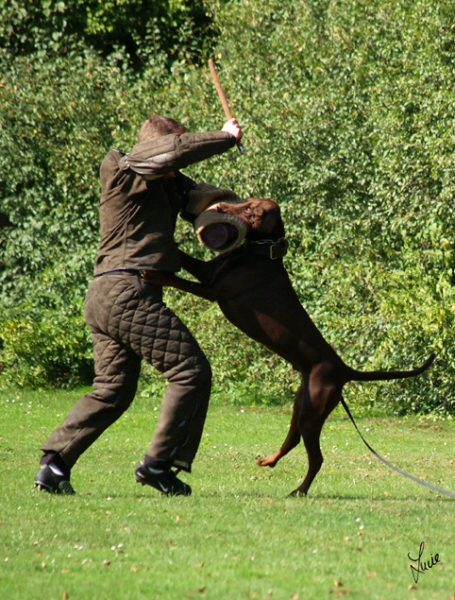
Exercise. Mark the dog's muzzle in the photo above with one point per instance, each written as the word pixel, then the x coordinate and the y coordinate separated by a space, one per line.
pixel 219 231
pixel 215 230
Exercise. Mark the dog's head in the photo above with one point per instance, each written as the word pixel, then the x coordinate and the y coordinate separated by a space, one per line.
pixel 224 226
pixel 261 215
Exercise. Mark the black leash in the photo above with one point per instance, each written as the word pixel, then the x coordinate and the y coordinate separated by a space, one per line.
pixel 386 462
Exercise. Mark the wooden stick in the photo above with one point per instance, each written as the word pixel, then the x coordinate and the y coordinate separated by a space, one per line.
pixel 222 97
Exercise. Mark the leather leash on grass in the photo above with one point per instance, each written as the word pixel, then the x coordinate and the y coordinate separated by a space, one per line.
pixel 389 464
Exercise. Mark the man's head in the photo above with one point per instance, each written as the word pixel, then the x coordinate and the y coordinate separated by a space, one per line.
pixel 157 126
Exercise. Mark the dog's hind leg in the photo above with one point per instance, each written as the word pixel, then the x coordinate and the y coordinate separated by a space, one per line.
pixel 311 434
pixel 324 393
pixel 293 436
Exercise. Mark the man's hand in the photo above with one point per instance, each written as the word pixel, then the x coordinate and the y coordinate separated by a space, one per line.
pixel 234 129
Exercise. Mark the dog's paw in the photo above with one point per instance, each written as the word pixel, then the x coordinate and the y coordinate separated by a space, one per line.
pixel 298 493
pixel 269 461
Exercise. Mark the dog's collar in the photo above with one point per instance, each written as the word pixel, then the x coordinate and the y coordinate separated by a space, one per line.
pixel 272 248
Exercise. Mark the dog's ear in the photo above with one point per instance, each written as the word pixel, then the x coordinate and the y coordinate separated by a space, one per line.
pixel 269 220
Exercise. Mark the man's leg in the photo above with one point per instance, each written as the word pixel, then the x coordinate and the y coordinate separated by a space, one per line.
pixel 138 318
pixel 114 388
pixel 135 320
pixel 117 369
pixel 166 343
pixel 183 412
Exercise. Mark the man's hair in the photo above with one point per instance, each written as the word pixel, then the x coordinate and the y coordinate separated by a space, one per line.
pixel 157 125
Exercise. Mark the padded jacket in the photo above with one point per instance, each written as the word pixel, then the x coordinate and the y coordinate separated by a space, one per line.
pixel 142 194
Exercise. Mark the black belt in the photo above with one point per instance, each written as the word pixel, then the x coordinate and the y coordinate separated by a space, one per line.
pixel 119 270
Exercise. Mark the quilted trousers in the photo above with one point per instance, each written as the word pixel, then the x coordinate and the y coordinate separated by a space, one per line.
pixel 130 323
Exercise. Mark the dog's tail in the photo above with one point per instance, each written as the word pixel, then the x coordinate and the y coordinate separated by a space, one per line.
pixel 388 375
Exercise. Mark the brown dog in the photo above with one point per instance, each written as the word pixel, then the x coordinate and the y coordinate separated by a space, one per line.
pixel 254 292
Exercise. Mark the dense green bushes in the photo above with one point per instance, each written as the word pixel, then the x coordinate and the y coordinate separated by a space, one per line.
pixel 348 112
pixel 139 32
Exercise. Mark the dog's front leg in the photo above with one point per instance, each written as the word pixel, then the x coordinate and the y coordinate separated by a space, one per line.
pixel 170 279
pixel 203 271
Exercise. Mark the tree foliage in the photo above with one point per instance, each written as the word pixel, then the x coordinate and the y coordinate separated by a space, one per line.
pixel 142 31
pixel 348 112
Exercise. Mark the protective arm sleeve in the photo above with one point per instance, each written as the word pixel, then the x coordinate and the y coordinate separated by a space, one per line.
pixel 159 156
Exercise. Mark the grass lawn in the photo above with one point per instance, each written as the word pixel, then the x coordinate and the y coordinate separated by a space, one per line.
pixel 238 536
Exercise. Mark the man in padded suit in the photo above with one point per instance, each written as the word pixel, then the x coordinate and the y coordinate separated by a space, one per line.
pixel 142 194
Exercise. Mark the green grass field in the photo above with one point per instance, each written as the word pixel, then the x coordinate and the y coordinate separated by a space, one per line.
pixel 238 536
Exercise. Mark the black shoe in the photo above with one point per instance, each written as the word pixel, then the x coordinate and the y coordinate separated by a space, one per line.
pixel 165 482
pixel 51 479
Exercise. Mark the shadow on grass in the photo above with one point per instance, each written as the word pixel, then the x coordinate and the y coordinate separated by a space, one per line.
pixel 303 499
pixel 247 495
